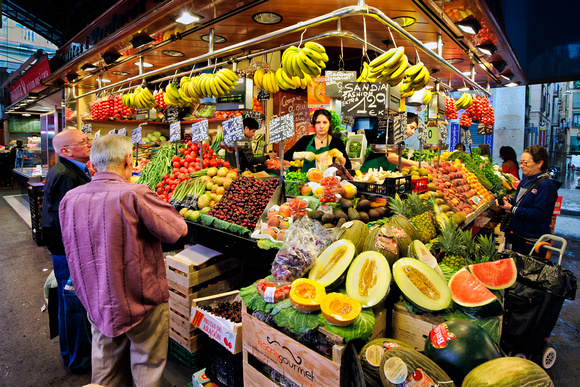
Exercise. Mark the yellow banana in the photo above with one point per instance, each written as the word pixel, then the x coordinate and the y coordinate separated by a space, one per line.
pixel 461 101
pixel 222 84
pixel 310 71
pixel 231 75
pixel 314 55
pixel 400 72
pixel 282 81
pixel 266 82
pixel 288 79
pixel 192 88
pixel 286 61
pixel 315 46
pixel 309 80
pixel 221 74
pixel 395 59
pixel 414 70
pixel 383 58
pixel 183 80
pixel 308 62
pixel 258 78
pixel 427 97
pixel 296 68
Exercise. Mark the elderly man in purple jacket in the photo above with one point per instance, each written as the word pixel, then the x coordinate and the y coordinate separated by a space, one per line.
pixel 112 232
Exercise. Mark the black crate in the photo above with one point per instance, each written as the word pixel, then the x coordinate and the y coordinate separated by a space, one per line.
pixel 37 236
pixel 222 367
pixel 390 187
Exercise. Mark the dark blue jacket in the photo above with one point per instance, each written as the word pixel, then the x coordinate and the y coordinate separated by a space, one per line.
pixel 533 215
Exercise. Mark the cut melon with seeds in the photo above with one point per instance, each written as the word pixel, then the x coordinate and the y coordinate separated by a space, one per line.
pixel 368 278
pixel 500 274
pixel 332 262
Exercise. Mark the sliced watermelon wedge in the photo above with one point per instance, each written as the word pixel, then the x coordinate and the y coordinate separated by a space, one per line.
pixel 500 274
pixel 466 290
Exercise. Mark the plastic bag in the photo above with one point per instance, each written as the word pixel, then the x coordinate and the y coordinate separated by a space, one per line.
pixel 304 241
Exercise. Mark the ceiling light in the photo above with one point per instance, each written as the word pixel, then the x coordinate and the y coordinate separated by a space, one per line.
pixel 469 26
pixel 431 45
pixel 404 21
pixel 487 49
pixel 172 53
pixel 512 84
pixel 463 89
pixel 267 18
pixel 454 60
pixel 123 73
pixel 217 39
pixel 187 18
pixel 141 40
pixel 499 65
pixel 110 57
pixel 26 114
pixel 88 67
pixel 145 64
pixel 466 73
pixel 105 80
pixel 507 76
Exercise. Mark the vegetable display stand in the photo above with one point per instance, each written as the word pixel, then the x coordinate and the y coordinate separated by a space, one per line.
pixel 264 345
pixel 411 328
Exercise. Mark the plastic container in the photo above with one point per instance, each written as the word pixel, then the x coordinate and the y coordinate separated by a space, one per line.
pixel 419 185
pixel 390 187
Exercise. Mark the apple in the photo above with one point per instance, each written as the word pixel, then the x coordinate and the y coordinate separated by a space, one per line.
pixel 226 182
pixel 285 210
pixel 306 190
pixel 206 179
pixel 284 224
pixel 203 201
pixel 272 231
pixel 216 180
pixel 274 221
pixel 281 235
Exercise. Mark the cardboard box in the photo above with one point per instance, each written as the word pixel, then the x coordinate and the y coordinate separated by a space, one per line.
pixel 411 328
pixel 225 332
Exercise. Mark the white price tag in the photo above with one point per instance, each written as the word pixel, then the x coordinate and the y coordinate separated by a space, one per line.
pixel 112 131
pixel 281 128
pixel 136 135
pixel 233 130
pixel 97 135
pixel 175 131
pixel 122 132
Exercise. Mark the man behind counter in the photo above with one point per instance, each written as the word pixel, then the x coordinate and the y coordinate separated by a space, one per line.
pixel 112 232
pixel 248 161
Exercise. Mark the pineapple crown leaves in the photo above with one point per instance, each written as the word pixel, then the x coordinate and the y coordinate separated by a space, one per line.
pixel 486 249
pixel 449 241
pixel 409 207
pixel 471 247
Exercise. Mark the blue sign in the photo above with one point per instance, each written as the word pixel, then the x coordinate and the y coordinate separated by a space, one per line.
pixel 454 135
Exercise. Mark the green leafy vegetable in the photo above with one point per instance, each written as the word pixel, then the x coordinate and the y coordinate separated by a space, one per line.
pixel 491 325
pixel 297 322
pixel 361 328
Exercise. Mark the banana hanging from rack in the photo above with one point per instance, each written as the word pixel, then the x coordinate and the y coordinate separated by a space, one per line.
pixel 427 97
pixel 364 74
pixel 390 66
pixel 309 60
pixel 259 78
pixel 464 101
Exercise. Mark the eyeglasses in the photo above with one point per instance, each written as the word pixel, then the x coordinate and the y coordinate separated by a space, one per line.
pixel 525 163
pixel 85 142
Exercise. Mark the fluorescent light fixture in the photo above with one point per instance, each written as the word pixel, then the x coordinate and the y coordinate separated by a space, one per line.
pixel 267 18
pixel 487 49
pixel 431 45
pixel 507 76
pixel 404 21
pixel 105 80
pixel 145 64
pixel 463 89
pixel 469 26
pixel 512 84
pixel 26 114
pixel 88 67
pixel 187 18
pixel 217 39
pixel 123 73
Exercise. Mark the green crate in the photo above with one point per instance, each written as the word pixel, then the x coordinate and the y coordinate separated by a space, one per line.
pixel 191 360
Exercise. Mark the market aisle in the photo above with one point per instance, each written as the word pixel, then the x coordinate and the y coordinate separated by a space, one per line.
pixel 27 356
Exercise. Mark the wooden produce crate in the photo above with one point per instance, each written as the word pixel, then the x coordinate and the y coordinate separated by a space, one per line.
pixel 186 275
pixel 192 341
pixel 292 359
pixel 411 328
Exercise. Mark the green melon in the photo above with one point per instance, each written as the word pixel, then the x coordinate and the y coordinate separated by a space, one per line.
pixel 472 297
pixel 458 346
pixel 508 372
pixel 398 364
pixel 500 274
pixel 356 232
pixel 382 239
pixel 370 358
pixel 332 262
pixel 404 231
pixel 421 285
pixel 369 278
pixel 418 250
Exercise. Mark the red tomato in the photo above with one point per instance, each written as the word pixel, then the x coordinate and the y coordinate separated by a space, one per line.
pixel 189 159
pixel 186 164
pixel 176 164
pixel 165 176
pixel 182 150
pixel 213 163
pixel 205 163
pixel 175 158
pixel 226 164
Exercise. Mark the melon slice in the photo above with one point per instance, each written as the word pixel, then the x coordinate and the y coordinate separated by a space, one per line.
pixel 421 285
pixel 474 299
pixel 333 262
pixel 500 274
pixel 368 278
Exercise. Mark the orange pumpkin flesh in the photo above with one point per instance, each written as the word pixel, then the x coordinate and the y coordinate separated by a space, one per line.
pixel 340 309
pixel 306 295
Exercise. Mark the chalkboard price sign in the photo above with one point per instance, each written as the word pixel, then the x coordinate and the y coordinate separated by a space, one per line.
pixel 281 128
pixel 422 131
pixel 199 131
pixel 253 114
pixel 334 81
pixel 400 128
pixel 442 133
pixel 172 114
pixel 136 135
pixel 122 132
pixel 97 135
pixel 175 131
pixel 87 128
pixel 263 95
pixel 233 130
pixel 348 120
pixel 365 99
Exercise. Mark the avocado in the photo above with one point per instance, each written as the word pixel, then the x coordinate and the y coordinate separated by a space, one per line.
pixel 373 214
pixel 363 205
pixel 316 214
pixel 328 225
pixel 353 214
pixel 340 214
pixel 340 222
pixel 345 204
pixel 327 218
pixel 382 210
pixel 364 217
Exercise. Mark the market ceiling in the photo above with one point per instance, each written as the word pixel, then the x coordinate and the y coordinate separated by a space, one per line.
pixel 528 39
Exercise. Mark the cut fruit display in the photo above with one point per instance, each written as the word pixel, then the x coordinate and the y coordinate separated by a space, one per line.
pixel 500 274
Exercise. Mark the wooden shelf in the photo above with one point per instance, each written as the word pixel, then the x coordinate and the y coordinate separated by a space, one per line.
pixel 127 122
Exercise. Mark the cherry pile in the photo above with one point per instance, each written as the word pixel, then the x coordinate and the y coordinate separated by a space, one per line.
pixel 229 310
pixel 244 201
pixel 110 107
pixel 450 110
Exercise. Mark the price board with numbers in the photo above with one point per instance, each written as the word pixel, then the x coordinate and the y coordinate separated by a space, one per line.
pixel 199 131
pixel 400 128
pixel 172 114
pixel 348 120
pixel 422 131
pixel 281 128
pixel 122 132
pixel 97 135
pixel 366 99
pixel 87 128
pixel 136 135
pixel 334 81
pixel 432 133
pixel 233 130
pixel 112 131
pixel 175 131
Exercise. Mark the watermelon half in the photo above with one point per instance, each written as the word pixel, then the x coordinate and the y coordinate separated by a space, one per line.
pixel 472 297
pixel 500 274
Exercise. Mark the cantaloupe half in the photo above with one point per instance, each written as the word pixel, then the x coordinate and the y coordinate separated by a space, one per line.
pixel 369 278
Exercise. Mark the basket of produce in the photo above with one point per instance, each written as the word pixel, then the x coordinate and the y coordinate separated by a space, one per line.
pixel 419 185
pixel 382 182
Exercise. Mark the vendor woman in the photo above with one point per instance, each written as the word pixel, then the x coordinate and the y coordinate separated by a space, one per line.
pixel 320 148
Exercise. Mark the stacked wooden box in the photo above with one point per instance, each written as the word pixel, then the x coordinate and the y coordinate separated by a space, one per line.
pixel 189 279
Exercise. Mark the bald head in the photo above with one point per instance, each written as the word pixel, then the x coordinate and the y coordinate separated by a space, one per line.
pixel 72 144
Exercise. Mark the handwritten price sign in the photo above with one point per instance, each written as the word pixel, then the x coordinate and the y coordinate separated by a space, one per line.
pixel 365 99
pixel 281 128
pixel 233 130
pixel 136 135
pixel 199 131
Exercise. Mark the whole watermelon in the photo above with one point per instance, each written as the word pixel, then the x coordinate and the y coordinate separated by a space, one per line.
pixel 458 346
pixel 507 372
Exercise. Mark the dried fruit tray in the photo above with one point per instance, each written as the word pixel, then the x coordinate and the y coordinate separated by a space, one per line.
pixel 390 187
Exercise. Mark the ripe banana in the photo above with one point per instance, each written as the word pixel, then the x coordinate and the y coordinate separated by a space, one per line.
pixel 305 61
pixel 464 101
pixel 364 74
pixel 427 97
pixel 258 78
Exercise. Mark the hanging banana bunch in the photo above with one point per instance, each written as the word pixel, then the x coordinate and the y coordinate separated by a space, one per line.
pixel 427 97
pixel 266 80
pixel 215 85
pixel 309 60
pixel 389 67
pixel 464 101
pixel 175 96
pixel 140 98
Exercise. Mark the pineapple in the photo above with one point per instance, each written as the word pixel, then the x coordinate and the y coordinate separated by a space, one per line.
pixel 471 247
pixel 487 250
pixel 415 211
pixel 450 242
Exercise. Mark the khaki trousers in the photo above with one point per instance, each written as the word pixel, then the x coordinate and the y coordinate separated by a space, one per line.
pixel 137 357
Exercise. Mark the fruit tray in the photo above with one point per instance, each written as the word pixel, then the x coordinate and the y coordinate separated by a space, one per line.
pixel 419 185
pixel 390 187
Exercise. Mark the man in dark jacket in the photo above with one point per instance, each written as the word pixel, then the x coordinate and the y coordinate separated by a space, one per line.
pixel 73 148
pixel 246 154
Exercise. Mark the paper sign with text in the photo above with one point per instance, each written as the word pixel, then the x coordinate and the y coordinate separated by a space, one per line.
pixel 233 130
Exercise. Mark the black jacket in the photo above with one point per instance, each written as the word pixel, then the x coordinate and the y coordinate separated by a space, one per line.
pixel 61 178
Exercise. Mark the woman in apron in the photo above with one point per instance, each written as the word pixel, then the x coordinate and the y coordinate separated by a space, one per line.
pixel 321 148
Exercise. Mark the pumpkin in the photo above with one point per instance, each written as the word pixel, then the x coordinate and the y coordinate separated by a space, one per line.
pixel 340 309
pixel 306 295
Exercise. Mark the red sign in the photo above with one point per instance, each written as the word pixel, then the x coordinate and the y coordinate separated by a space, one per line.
pixel 558 206
pixel 30 81
pixel 542 136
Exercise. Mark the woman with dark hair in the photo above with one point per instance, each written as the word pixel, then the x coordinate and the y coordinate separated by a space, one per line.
pixel 533 204
pixel 510 161
pixel 319 144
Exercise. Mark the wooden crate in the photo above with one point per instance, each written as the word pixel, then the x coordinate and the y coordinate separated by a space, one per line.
pixel 411 328
pixel 191 343
pixel 185 275
pixel 181 324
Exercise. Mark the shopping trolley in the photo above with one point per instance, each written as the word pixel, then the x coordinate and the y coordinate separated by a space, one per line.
pixel 533 304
